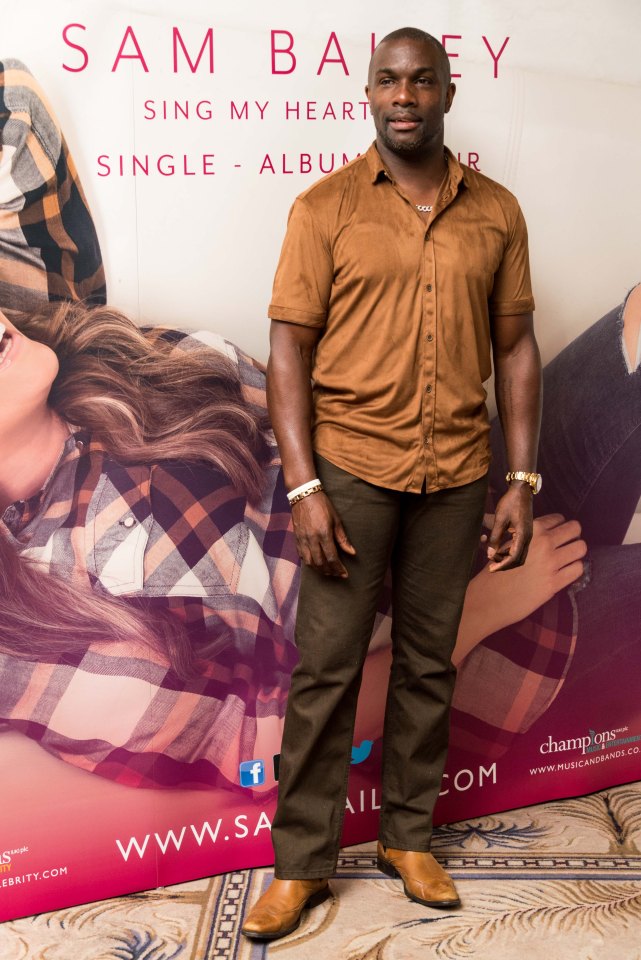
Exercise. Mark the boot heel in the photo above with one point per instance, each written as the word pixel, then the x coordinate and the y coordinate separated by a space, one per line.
pixel 385 867
pixel 317 898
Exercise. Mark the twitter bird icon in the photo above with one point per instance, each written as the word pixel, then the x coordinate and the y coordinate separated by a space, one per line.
pixel 362 753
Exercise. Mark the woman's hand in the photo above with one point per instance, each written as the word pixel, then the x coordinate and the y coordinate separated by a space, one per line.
pixel 554 561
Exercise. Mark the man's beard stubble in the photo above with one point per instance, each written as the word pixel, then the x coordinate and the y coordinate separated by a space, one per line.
pixel 404 146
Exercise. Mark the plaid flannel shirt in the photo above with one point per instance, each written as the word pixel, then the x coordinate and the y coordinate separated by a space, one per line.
pixel 48 244
pixel 171 537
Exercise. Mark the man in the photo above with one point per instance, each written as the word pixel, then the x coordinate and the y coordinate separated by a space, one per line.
pixel 400 274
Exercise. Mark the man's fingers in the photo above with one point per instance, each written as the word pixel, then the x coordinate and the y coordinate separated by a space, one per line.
pixel 304 551
pixel 516 554
pixel 333 565
pixel 317 553
pixel 342 539
pixel 513 552
pixel 494 543
pixel 319 534
pixel 320 553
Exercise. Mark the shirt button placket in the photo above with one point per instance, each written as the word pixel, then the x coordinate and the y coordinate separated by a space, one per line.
pixel 429 369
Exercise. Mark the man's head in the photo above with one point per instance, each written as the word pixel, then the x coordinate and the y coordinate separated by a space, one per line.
pixel 409 89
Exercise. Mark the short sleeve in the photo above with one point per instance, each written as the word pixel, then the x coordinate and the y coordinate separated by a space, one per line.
pixel 512 291
pixel 305 273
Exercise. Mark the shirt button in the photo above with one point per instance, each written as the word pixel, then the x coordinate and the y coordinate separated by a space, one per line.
pixel 426 441
pixel 429 287
pixel 429 337
pixel 428 388
pixel 128 522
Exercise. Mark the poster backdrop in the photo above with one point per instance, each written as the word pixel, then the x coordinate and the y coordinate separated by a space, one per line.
pixel 192 129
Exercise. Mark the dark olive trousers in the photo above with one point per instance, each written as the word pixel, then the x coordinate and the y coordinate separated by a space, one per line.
pixel 430 541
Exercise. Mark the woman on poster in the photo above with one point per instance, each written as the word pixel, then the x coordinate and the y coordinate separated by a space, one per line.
pixel 147 554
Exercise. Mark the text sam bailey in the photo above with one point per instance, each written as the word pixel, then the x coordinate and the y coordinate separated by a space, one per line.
pixel 282 56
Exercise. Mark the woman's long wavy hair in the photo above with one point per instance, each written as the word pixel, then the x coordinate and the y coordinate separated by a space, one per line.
pixel 146 400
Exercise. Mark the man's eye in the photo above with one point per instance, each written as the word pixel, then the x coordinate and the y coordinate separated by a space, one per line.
pixel 424 80
pixel 386 81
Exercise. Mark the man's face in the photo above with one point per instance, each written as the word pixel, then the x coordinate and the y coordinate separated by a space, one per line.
pixel 409 92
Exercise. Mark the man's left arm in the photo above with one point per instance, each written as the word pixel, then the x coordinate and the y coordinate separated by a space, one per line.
pixel 517 372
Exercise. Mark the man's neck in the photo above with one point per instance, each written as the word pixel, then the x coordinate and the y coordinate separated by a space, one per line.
pixel 426 167
pixel 30 449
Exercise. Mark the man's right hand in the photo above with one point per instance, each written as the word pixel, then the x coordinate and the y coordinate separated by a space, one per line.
pixel 319 533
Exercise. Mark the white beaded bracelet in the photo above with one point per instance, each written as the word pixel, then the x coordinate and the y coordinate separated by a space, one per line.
pixel 304 490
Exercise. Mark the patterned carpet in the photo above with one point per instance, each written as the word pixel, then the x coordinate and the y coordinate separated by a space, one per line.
pixel 559 880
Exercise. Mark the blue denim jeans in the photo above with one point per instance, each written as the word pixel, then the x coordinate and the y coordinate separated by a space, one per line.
pixel 590 459
pixel 590 449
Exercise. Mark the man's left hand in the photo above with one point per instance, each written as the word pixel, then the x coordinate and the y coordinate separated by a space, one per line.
pixel 512 530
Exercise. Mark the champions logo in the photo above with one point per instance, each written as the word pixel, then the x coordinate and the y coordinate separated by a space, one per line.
pixel 603 740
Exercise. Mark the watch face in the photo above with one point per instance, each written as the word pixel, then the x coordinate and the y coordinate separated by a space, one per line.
pixel 539 483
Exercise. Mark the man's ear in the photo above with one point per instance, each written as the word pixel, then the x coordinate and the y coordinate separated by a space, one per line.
pixel 449 96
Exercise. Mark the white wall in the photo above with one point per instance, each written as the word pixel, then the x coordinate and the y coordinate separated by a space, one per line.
pixel 560 126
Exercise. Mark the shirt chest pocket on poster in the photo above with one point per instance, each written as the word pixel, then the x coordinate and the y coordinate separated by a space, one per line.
pixel 160 540
pixel 117 529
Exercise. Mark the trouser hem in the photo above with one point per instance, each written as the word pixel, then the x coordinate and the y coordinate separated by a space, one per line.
pixel 403 845
pixel 305 874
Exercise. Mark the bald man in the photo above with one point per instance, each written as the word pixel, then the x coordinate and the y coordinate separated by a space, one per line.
pixel 401 276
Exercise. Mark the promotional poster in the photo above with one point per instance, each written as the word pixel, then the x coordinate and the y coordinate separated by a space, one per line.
pixel 149 158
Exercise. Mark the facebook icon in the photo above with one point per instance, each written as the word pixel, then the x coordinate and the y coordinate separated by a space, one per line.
pixel 252 773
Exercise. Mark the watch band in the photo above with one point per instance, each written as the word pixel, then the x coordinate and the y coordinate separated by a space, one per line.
pixel 534 480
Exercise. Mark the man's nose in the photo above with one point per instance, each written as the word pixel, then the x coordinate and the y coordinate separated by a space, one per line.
pixel 405 92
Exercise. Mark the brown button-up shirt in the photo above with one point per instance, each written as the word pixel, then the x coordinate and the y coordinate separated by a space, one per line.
pixel 404 307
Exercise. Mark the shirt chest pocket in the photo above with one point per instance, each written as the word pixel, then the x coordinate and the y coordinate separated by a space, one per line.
pixel 165 531
pixel 117 529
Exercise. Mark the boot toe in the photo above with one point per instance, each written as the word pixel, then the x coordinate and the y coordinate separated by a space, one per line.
pixel 277 913
pixel 424 879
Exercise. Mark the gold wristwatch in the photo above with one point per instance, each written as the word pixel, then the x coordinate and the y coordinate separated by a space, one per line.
pixel 535 480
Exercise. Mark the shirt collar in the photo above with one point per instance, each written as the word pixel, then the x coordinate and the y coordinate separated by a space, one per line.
pixel 456 171
pixel 19 514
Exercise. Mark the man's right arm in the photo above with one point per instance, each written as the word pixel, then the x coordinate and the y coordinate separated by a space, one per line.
pixel 318 528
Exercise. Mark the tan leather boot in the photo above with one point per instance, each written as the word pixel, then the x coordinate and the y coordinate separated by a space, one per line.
pixel 424 880
pixel 278 911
